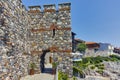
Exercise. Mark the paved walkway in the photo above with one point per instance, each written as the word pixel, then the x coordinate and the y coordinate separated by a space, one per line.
pixel 42 76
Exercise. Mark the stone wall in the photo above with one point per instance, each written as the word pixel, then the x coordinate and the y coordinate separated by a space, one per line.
pixel 23 33
pixel 51 30
pixel 14 22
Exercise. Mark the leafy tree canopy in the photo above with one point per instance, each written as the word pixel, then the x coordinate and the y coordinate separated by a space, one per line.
pixel 81 47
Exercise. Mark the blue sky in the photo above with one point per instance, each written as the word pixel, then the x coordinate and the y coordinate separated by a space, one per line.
pixel 92 20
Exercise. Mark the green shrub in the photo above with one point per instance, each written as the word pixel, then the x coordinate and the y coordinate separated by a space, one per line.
pixel 76 70
pixel 101 64
pixel 74 78
pixel 81 47
pixel 100 71
pixel 115 57
pixel 92 67
pixel 96 65
pixel 83 66
pixel 32 65
pixel 101 67
pixel 54 64
pixel 96 61
pixel 62 76
pixel 106 59
pixel 85 60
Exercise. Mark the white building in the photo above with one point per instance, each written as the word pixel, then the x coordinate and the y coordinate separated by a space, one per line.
pixel 106 48
pixel 92 48
pixel 98 49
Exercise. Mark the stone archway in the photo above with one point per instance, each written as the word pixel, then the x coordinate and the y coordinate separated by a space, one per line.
pixel 42 57
pixel 61 57
pixel 42 60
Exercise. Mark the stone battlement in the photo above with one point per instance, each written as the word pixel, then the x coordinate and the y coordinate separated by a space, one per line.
pixel 50 8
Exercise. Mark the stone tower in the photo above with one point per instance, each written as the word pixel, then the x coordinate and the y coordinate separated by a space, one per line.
pixel 35 32
pixel 50 32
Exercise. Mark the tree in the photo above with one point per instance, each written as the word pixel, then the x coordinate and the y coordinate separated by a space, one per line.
pixel 81 47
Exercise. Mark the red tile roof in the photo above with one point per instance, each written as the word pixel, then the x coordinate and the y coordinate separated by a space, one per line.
pixel 92 45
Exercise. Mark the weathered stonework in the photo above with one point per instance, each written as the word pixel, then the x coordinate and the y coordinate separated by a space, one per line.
pixel 26 35
pixel 51 30
pixel 14 22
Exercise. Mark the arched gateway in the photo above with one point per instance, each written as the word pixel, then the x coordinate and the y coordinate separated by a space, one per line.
pixel 50 31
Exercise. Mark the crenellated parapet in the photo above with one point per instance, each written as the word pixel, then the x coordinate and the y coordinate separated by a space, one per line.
pixel 34 9
pixel 50 8
pixel 64 6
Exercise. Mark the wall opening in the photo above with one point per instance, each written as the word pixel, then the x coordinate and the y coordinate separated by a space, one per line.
pixel 46 62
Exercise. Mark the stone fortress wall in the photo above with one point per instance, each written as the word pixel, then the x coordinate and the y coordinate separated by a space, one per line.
pixel 51 30
pixel 14 23
pixel 50 25
pixel 23 33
